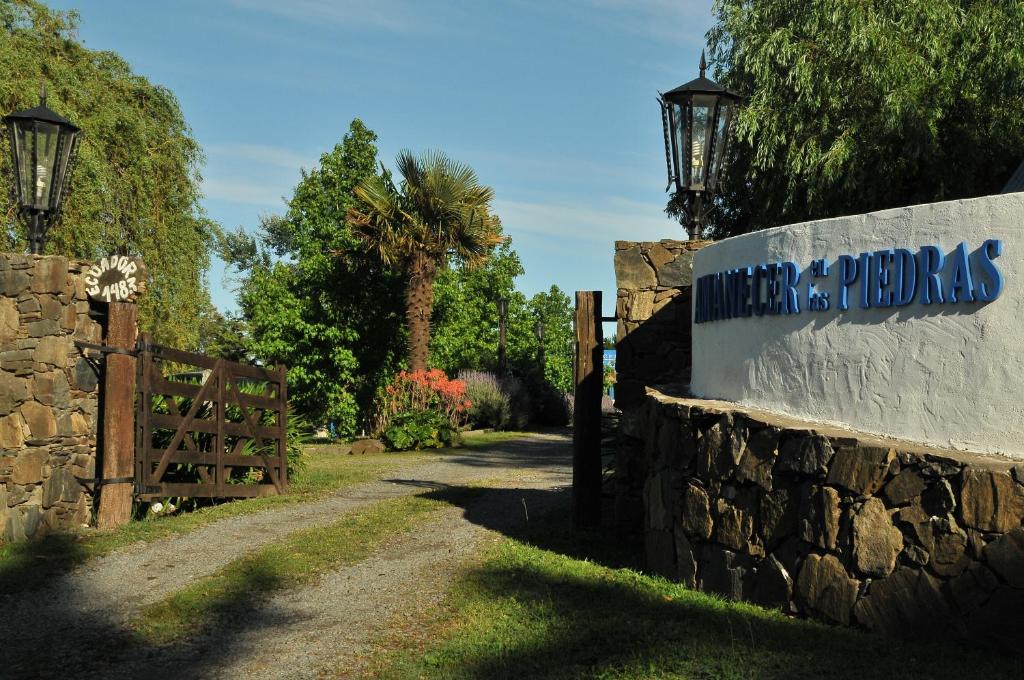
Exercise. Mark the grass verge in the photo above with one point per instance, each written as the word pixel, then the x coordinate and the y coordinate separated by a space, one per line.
pixel 533 612
pixel 293 561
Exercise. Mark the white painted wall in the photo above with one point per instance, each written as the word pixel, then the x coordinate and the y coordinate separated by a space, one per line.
pixel 949 375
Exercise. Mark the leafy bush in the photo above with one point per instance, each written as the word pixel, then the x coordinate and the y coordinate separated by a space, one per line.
pixel 421 409
pixel 490 404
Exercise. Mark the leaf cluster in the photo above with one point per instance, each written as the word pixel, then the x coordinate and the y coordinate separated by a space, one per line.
pixel 860 106
pixel 136 186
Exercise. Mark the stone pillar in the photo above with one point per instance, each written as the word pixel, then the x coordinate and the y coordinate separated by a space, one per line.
pixel 48 396
pixel 652 344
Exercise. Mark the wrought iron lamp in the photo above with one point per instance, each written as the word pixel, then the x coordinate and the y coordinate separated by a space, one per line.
pixel 698 119
pixel 43 146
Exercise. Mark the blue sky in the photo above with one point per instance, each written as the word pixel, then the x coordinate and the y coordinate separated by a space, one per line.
pixel 552 102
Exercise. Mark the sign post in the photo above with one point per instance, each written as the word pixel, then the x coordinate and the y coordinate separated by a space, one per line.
pixel 117 280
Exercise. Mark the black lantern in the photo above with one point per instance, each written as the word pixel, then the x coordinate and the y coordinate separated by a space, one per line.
pixel 43 146
pixel 698 120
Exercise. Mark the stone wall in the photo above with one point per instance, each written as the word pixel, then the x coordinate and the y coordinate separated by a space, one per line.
pixel 48 396
pixel 895 537
pixel 652 343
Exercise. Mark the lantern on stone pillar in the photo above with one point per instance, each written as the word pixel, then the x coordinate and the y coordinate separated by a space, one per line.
pixel 698 119
pixel 43 146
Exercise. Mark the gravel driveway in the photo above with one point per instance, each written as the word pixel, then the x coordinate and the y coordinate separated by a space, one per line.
pixel 76 626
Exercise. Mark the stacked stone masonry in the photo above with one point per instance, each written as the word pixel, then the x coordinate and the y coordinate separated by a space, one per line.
pixel 653 311
pixel 652 339
pixel 48 397
pixel 894 537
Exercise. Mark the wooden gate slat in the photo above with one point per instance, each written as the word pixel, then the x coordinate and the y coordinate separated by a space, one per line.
pixel 252 428
pixel 219 391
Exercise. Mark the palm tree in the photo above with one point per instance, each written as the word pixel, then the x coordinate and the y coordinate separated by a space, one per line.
pixel 440 212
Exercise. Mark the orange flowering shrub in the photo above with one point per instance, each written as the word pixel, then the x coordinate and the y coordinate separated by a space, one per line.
pixel 422 409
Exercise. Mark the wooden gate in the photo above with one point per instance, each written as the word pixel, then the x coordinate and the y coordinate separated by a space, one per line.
pixel 211 428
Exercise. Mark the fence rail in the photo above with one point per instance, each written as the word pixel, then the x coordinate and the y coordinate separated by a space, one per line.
pixel 223 437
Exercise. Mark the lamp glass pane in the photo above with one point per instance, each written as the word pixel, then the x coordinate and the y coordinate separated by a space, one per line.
pixel 47 136
pixel 679 154
pixel 725 111
pixel 60 173
pixel 22 151
pixel 703 111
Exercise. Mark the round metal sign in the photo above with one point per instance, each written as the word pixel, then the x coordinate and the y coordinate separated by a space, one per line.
pixel 117 278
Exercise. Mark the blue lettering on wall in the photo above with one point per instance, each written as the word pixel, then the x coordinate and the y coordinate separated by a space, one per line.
pixel 894 277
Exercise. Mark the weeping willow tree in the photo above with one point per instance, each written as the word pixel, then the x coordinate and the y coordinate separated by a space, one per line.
pixel 135 188
pixel 860 106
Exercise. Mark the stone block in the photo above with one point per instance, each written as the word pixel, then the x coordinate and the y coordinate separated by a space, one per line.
pixel 53 350
pixel 860 469
pixel 733 525
pixel 85 376
pixel 721 573
pixel 61 486
pixel 639 305
pixel 990 501
pixel 632 271
pixel 772 586
pixel 805 454
pixel 52 389
pixel 28 466
pixel 1005 556
pixel 42 328
pixel 659 256
pixel 778 516
pixel 719 448
pixel 678 272
pixel 876 542
pixel 686 562
pixel 51 275
pixel 819 517
pixel 40 420
pixel 948 552
pixel 908 603
pixel 904 487
pixel 13 391
pixel 825 590
pixel 973 588
pixel 695 516
pixel 12 431
pixel 758 458
pixel 8 320
pixel 14 282
pixel 50 308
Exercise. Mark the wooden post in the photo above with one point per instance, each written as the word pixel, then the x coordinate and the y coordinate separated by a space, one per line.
pixel 118 417
pixel 586 457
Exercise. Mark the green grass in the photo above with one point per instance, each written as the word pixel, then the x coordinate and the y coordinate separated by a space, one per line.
pixel 300 557
pixel 28 565
pixel 530 612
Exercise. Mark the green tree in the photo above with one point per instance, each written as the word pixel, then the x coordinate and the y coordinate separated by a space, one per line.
pixel 465 313
pixel 465 321
pixel 440 214
pixel 555 310
pixel 135 189
pixel 313 299
pixel 859 106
